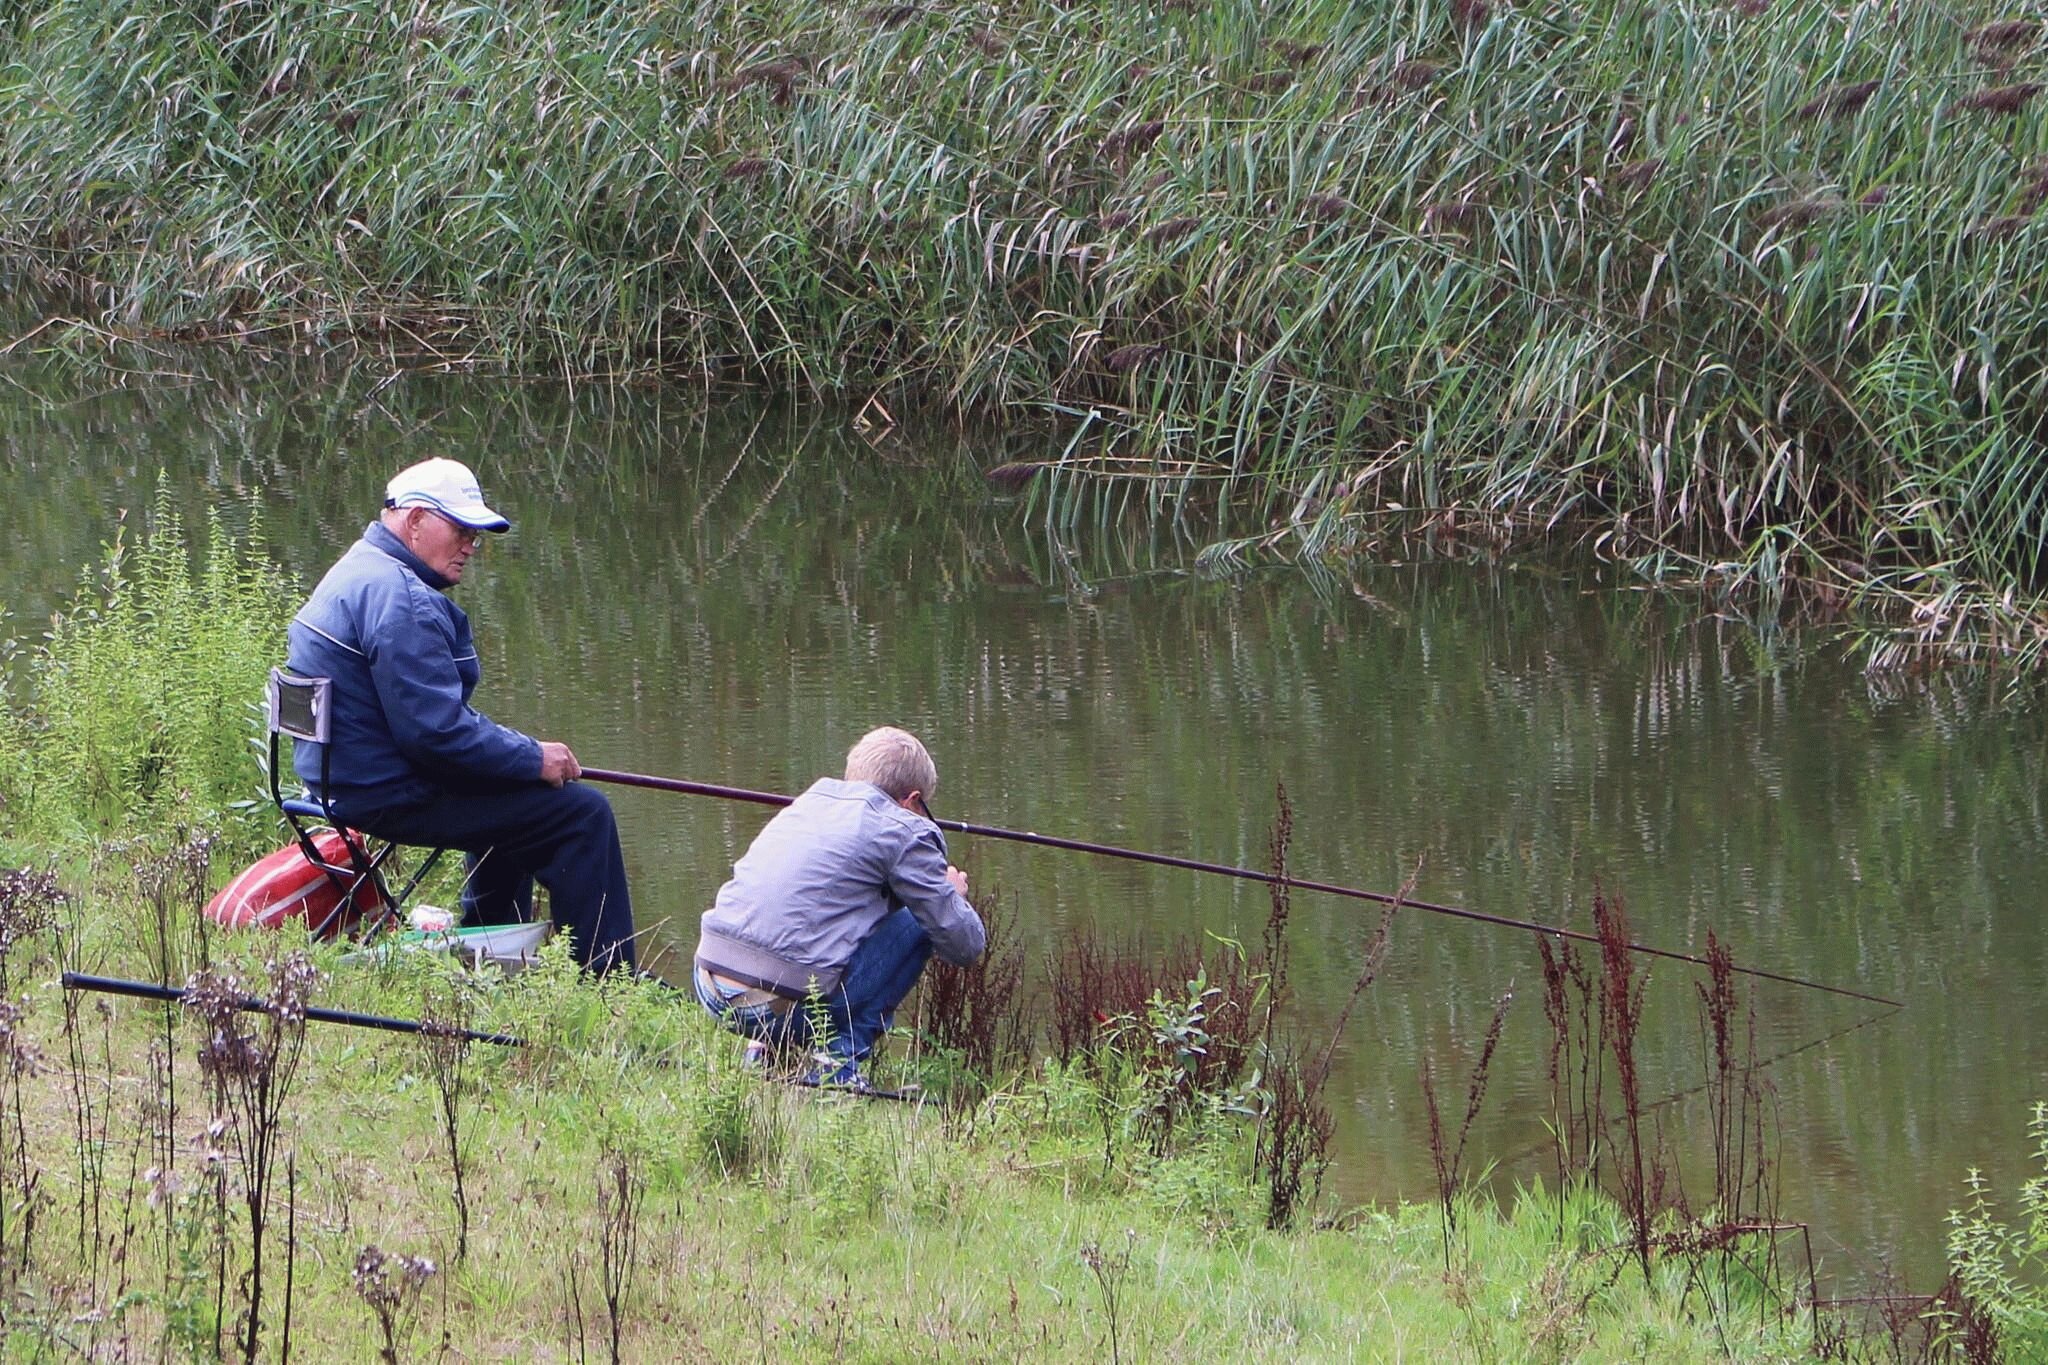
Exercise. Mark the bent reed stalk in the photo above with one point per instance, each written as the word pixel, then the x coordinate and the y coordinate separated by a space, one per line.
pixel 1741 298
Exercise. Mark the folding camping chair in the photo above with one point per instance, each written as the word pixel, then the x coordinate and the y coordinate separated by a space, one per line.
pixel 300 708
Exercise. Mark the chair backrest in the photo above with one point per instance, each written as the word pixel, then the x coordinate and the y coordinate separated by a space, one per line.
pixel 299 706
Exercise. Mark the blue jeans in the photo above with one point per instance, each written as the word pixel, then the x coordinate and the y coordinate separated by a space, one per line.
pixel 565 837
pixel 856 1014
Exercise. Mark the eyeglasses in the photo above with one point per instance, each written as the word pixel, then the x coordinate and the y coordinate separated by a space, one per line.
pixel 468 535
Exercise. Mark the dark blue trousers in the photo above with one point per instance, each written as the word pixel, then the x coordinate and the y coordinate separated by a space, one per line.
pixel 564 837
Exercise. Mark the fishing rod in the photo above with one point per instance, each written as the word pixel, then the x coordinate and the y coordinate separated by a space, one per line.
pixel 676 784
pixel 1765 1065
pixel 149 990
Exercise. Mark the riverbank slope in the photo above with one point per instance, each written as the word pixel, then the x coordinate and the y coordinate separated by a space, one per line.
pixel 621 1189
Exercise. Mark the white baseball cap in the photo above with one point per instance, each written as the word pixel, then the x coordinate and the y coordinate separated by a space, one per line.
pixel 449 488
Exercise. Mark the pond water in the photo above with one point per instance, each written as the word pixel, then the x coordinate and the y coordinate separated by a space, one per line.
pixel 730 589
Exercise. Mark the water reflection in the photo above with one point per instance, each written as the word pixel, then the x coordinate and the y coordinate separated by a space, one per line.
pixel 727 589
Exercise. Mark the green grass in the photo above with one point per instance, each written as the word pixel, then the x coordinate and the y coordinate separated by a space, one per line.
pixel 772 1223
pixel 1670 278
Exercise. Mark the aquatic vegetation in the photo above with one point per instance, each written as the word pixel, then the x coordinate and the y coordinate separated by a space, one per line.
pixel 137 706
pixel 1998 1309
pixel 1745 302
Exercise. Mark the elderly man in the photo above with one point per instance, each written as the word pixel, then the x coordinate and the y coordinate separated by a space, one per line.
pixel 841 899
pixel 413 761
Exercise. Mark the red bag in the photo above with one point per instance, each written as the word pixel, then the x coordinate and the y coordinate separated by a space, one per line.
pixel 286 886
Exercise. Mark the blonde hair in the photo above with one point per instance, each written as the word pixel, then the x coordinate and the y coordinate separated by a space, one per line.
pixel 893 760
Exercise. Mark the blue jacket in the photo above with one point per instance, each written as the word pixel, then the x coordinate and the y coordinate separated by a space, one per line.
pixel 819 878
pixel 403 664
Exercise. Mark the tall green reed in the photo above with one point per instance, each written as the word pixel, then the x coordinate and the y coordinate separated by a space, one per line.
pixel 1742 299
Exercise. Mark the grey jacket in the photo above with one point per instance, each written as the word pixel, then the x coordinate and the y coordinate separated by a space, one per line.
pixel 818 879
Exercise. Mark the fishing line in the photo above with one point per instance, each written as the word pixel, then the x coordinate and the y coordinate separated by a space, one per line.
pixel 674 784
pixel 1764 1065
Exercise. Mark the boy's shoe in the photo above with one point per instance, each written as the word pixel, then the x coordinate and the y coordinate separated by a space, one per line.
pixel 756 1055
pixel 832 1073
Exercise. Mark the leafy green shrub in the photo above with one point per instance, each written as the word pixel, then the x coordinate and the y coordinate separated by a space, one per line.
pixel 736 1118
pixel 2002 1270
pixel 139 704
pixel 1204 1185
pixel 846 1165
pixel 15 769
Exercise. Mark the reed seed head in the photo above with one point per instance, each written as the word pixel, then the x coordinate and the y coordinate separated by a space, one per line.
pixel 2005 35
pixel 1415 74
pixel 1297 54
pixel 1452 215
pixel 1125 359
pixel 1011 478
pixel 1636 174
pixel 1172 230
pixel 2002 99
pixel 1133 139
pixel 778 77
pixel 749 168
pixel 1992 229
pixel 892 16
pixel 1838 100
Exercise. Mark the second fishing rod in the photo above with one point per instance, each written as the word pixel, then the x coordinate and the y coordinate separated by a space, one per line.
pixel 725 793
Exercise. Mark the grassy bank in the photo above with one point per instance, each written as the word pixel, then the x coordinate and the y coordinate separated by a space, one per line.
pixel 625 1183
pixel 1741 293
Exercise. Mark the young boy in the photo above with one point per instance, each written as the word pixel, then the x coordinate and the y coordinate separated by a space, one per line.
pixel 842 898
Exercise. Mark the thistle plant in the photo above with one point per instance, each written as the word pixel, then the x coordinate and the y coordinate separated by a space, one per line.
pixel 391 1285
pixel 444 1044
pixel 249 1073
pixel 28 901
pixel 21 1196
pixel 621 1193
